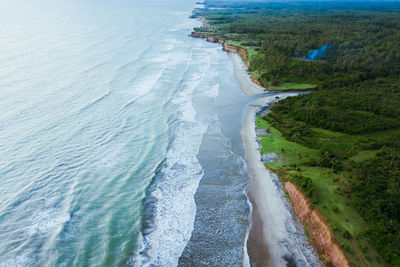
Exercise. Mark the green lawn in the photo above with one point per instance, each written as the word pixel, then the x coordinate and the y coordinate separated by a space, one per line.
pixel 364 155
pixel 236 43
pixel 292 86
pixel 291 153
pixel 334 203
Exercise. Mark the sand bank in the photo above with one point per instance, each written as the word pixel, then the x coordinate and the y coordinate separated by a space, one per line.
pixel 276 237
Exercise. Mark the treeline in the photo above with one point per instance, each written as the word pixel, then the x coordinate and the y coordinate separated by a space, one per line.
pixel 376 188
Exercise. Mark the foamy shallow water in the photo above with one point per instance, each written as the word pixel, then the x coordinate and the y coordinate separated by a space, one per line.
pixel 112 121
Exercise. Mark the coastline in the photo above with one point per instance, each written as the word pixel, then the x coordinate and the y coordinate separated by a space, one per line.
pixel 262 239
pixel 246 83
pixel 319 194
pixel 270 209
pixel 265 238
pixel 276 237
pixel 273 240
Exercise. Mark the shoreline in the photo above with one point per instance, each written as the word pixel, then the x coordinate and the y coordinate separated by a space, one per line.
pixel 270 209
pixel 240 51
pixel 269 241
pixel 320 197
pixel 246 83
pixel 277 236
pixel 263 243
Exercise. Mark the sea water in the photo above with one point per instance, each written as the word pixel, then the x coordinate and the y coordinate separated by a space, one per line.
pixel 119 138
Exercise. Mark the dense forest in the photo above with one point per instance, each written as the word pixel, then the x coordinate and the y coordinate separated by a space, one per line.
pixel 365 107
pixel 356 96
pixel 363 39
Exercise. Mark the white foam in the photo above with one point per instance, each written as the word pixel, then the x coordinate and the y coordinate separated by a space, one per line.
pixel 18 261
pixel 45 221
pixel 176 208
pixel 162 59
pixel 145 84
pixel 214 91
pixel 246 257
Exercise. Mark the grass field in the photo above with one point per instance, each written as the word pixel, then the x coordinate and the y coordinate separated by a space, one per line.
pixel 292 86
pixel 334 202
pixel 236 43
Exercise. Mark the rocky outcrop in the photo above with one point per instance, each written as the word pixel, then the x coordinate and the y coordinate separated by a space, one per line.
pixel 215 39
pixel 201 35
pixel 318 227
pixel 210 37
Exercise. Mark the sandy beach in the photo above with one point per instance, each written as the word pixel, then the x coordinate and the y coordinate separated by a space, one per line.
pixel 276 237
pixel 240 69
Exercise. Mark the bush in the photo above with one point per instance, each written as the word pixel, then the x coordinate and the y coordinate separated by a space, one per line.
pixel 363 248
pixel 346 234
pixel 305 184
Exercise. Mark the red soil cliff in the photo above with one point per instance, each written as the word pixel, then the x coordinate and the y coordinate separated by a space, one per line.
pixel 238 50
pixel 317 226
pixel 201 35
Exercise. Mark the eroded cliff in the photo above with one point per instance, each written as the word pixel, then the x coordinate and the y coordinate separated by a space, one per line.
pixel 318 227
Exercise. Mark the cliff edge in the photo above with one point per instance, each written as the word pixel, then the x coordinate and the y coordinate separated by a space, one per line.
pixel 319 229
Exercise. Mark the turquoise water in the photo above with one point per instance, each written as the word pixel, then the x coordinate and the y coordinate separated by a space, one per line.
pixel 119 138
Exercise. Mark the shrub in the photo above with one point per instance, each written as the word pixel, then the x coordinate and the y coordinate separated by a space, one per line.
pixel 346 234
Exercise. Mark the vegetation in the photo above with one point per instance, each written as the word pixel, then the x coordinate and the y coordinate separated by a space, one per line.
pixel 363 39
pixel 332 184
pixel 364 107
pixel 340 144
pixel 306 185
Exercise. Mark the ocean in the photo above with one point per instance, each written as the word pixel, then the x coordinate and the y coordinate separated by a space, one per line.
pixel 119 138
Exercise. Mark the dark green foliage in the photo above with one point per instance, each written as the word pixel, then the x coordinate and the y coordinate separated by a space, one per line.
pixel 335 209
pixel 375 183
pixel 306 186
pixel 361 108
pixel 363 248
pixel 376 189
pixel 328 159
pixel 346 234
